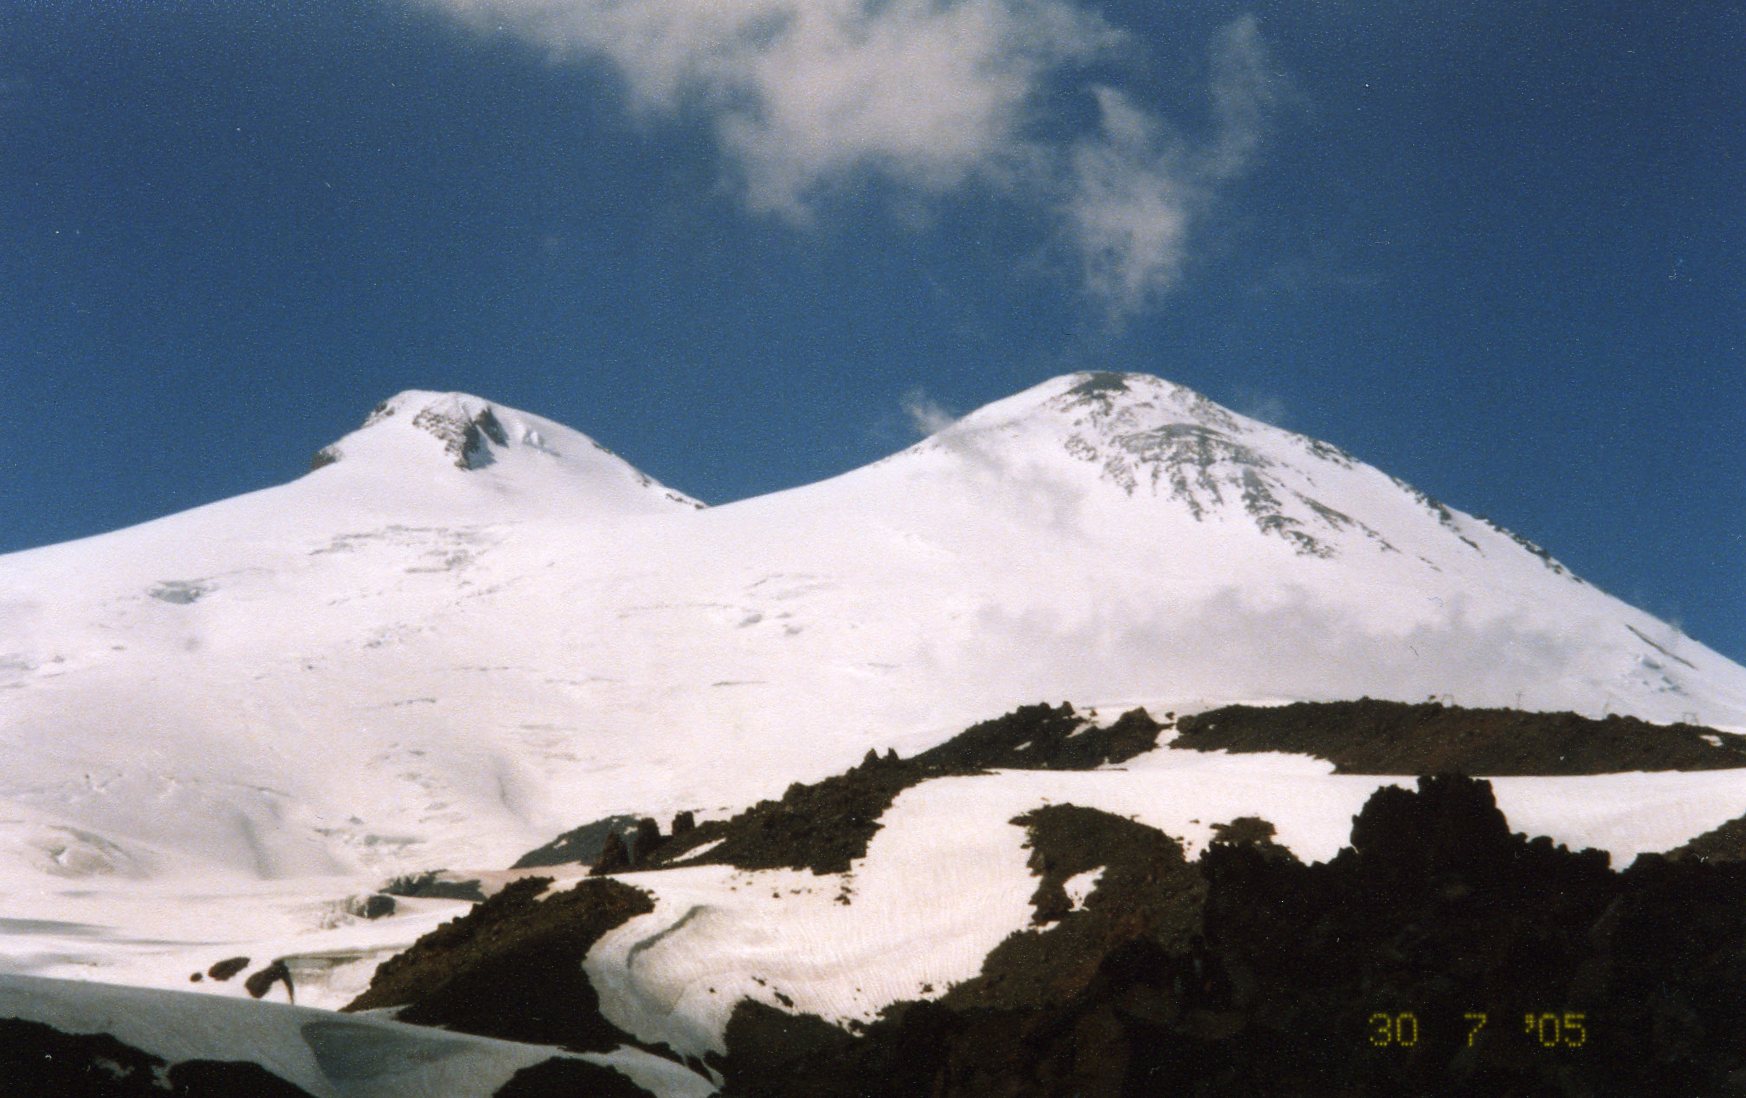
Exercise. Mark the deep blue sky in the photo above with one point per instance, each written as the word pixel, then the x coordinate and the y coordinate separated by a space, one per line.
pixel 1499 252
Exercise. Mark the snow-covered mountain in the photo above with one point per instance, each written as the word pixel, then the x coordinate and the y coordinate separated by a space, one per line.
pixel 468 627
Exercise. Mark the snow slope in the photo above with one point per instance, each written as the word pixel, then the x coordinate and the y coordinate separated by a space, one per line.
pixel 471 628
pixel 326 1055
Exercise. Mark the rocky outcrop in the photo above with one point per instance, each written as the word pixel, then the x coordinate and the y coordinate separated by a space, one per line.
pixel 466 438
pixel 1040 737
pixel 512 966
pixel 825 825
pixel 1386 737
pixel 437 885
pixel 580 846
pixel 567 1077
pixel 262 981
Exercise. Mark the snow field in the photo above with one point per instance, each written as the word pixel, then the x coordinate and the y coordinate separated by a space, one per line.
pixel 945 879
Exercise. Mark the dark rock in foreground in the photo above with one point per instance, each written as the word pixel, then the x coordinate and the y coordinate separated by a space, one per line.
pixel 512 967
pixel 1385 737
pixel 1438 954
pixel 40 1061
pixel 569 1078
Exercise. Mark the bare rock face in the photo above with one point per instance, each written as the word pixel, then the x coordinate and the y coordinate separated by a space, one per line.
pixel 464 438
pixel 1724 843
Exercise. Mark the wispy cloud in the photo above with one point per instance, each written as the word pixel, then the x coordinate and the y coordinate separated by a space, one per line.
pixel 809 96
pixel 1128 208
pixel 1265 407
pixel 926 416
pixel 1134 194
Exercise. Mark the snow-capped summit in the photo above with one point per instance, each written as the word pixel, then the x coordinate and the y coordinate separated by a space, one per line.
pixel 466 426
pixel 1179 457
pixel 1152 438
pixel 419 432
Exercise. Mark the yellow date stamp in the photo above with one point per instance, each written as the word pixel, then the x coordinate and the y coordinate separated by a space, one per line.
pixel 1566 1029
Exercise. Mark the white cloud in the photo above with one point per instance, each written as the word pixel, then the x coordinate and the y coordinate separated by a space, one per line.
pixel 926 416
pixel 805 96
pixel 1128 208
pixel 1243 94
pixel 1133 194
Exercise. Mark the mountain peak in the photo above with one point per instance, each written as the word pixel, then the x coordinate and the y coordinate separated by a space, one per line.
pixel 404 433
pixel 1154 439
pixel 1099 396
pixel 465 425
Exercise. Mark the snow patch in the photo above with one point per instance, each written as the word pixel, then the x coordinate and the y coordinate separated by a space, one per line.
pixel 1080 886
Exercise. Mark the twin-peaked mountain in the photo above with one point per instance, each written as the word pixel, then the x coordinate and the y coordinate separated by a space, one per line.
pixel 468 627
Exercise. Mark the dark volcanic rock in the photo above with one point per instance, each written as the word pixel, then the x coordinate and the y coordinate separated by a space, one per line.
pixel 1036 737
pixel 1146 890
pixel 512 967
pixel 376 905
pixel 1384 737
pixel 581 846
pixel 39 1061
pixel 565 1077
pixel 466 440
pixel 614 855
pixel 1250 831
pixel 433 885
pixel 823 826
pixel 262 981
pixel 644 840
pixel 1438 954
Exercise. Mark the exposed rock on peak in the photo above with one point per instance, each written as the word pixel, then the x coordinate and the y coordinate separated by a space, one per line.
pixel 467 426
pixel 464 438
pixel 1152 437
pixel 524 453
